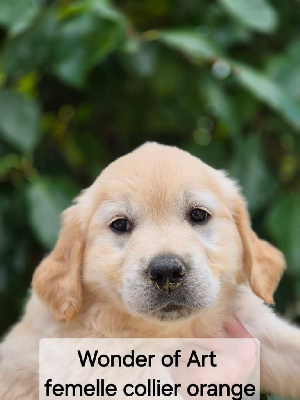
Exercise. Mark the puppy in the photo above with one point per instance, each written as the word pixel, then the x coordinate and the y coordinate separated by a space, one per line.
pixel 160 245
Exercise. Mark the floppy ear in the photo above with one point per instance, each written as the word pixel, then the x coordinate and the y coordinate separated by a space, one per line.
pixel 57 280
pixel 263 263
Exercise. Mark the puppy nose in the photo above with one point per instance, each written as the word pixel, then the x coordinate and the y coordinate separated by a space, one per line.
pixel 167 272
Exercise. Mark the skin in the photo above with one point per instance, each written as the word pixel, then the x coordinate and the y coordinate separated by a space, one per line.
pixel 234 329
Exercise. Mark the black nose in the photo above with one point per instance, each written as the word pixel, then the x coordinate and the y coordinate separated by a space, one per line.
pixel 167 272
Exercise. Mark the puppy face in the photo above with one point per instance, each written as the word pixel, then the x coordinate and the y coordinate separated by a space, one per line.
pixel 160 234
pixel 162 239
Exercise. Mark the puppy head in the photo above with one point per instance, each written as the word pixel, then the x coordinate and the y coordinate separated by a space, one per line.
pixel 162 235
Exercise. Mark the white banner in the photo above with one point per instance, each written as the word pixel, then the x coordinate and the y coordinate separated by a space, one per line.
pixel 149 368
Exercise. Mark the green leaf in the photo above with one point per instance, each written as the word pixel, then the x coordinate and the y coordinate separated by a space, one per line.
pixel 83 41
pixel 221 105
pixel 255 14
pixel 19 120
pixel 105 9
pixel 101 8
pixel 268 91
pixel 284 223
pixel 252 173
pixel 285 69
pixel 17 14
pixel 31 48
pixel 189 42
pixel 47 199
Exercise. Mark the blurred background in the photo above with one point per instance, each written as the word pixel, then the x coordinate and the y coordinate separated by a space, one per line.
pixel 83 82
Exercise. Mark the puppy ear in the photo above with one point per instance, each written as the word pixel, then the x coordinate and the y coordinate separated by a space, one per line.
pixel 263 263
pixel 57 280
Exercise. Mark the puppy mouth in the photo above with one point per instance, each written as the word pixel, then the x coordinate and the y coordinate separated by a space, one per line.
pixel 172 308
pixel 172 312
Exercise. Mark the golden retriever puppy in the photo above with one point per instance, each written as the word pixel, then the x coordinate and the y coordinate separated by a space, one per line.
pixel 160 245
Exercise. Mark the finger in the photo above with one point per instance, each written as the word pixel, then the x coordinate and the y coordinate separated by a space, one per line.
pixel 235 329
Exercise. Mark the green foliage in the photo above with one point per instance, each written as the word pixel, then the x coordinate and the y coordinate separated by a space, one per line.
pixel 273 397
pixel 256 14
pixel 47 199
pixel 258 184
pixel 82 82
pixel 84 40
pixel 190 42
pixel 19 121
pixel 287 230
pixel 270 92
pixel 17 14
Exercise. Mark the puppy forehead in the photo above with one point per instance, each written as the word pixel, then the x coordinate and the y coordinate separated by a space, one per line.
pixel 133 207
pixel 156 179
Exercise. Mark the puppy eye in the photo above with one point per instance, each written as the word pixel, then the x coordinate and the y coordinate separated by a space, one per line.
pixel 120 225
pixel 199 215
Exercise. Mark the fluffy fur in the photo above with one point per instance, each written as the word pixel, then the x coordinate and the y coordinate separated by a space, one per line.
pixel 94 283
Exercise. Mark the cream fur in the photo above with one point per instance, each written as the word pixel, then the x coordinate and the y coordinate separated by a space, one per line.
pixel 79 290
